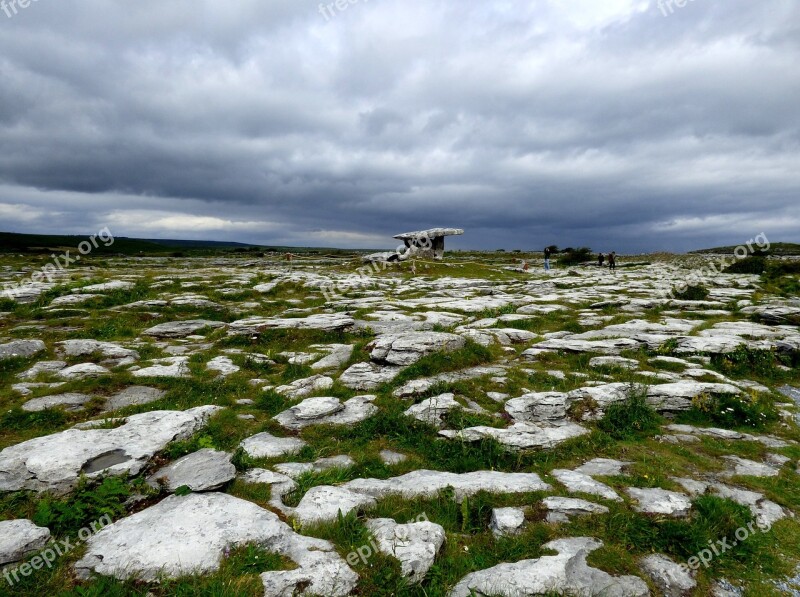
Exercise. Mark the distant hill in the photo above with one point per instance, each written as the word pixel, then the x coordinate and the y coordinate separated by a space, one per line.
pixel 12 242
pixel 775 249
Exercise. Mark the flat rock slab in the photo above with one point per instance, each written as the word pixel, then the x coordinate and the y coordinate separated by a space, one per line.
pixel 85 348
pixel 507 521
pixel 603 467
pixel 264 445
pixel 521 436
pixel 55 462
pixel 406 349
pixel 69 402
pixel 661 501
pixel 749 468
pixel 168 367
pixel 133 396
pixel 190 534
pixel 672 579
pixel 368 376
pixel 327 411
pixel 580 483
pixel 303 388
pixel 181 329
pixel 424 483
pixel 224 366
pixel 420 386
pixel 295 470
pixel 82 371
pixel 19 539
pixel 567 573
pixel 328 322
pixel 107 286
pixel 415 545
pixel 433 410
pixel 325 503
pixel 204 470
pixel 561 509
pixel 21 349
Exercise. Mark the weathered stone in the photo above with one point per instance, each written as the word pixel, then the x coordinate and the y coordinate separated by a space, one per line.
pixel 85 348
pixel 566 573
pixel 538 407
pixel 415 545
pixel 561 509
pixel 672 579
pixel 324 503
pixel 69 402
pixel 107 286
pixel 133 396
pixel 749 468
pixel 297 469
pixel 190 534
pixel 420 386
pixel 580 483
pixel 21 349
pixel 507 521
pixel 222 365
pixel 328 322
pixel 204 470
pixel 167 367
pixel 181 329
pixel 433 410
pixel 264 445
pixel 661 501
pixel 327 411
pixel 55 462
pixel 522 436
pixel 338 356
pixel 428 484
pixel 603 467
pixel 305 387
pixel 406 349
pixel 43 368
pixel 392 458
pixel 368 376
pixel 20 539
pixel 82 371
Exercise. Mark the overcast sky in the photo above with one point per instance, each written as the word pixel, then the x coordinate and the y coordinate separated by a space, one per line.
pixel 533 122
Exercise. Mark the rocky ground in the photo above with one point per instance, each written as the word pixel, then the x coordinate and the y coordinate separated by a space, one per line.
pixel 467 429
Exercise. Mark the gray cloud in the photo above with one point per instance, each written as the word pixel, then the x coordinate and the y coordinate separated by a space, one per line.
pixel 527 123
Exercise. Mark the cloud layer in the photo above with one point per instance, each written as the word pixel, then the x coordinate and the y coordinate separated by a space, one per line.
pixel 533 122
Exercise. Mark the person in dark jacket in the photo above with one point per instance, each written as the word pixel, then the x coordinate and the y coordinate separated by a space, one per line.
pixel 547 259
pixel 612 261
pixel 601 259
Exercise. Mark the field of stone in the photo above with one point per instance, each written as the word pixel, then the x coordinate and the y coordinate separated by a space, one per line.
pixel 220 426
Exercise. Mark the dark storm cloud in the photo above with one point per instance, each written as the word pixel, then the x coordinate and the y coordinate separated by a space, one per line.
pixel 527 123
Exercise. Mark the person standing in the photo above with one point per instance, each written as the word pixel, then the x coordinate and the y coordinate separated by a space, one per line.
pixel 612 262
pixel 601 259
pixel 547 259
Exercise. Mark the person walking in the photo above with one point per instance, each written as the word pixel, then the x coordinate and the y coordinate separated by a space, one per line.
pixel 547 259
pixel 612 262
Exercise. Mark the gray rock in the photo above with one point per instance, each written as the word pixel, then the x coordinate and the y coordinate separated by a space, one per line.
pixel 521 436
pixel 566 573
pixel 43 368
pixel 82 371
pixel 222 365
pixel 415 545
pixel 433 410
pixel 329 322
pixel 305 387
pixel 21 348
pixel 661 501
pixel 613 346
pixel 85 348
pixel 107 286
pixel 420 386
pixel 70 402
pixel 561 509
pixel 538 407
pixel 154 543
pixel 264 445
pixel 181 329
pixel 368 376
pixel 327 411
pixel 603 467
pixel 204 470
pixel 338 356
pixel 580 483
pixel 406 349
pixel 428 484
pixel 765 512
pixel 749 468
pixel 19 539
pixel 507 521
pixel 297 469
pixel 133 396
pixel 392 458
pixel 324 503
pixel 671 579
pixel 619 362
pixel 55 462
pixel 168 367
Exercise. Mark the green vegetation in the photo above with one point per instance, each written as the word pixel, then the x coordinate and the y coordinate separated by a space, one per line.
pixel 632 418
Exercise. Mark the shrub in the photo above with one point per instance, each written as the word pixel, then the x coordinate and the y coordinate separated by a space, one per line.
pixel 754 264
pixel 731 411
pixel 89 503
pixel 693 293
pixel 632 418
pixel 576 256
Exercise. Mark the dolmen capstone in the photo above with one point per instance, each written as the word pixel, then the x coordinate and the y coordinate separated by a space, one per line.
pixel 423 244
